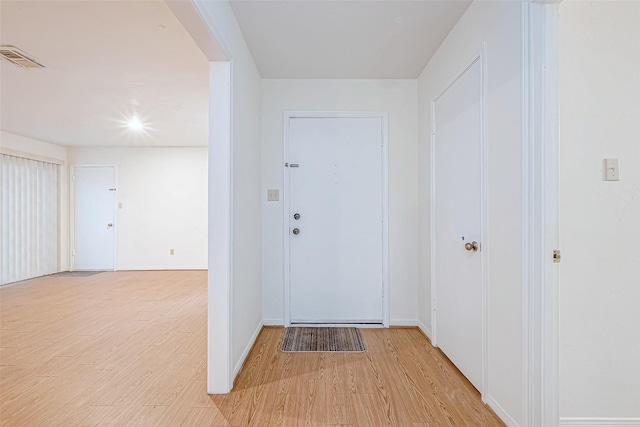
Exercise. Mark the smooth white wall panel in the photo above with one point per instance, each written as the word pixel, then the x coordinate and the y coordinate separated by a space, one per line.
pixel 599 221
pixel 33 147
pixel 163 192
pixel 246 169
pixel 399 99
pixel 499 25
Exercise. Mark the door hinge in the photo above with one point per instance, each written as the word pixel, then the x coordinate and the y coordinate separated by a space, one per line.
pixel 73 253
pixel 557 256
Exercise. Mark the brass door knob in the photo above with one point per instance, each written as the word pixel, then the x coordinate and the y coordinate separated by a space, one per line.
pixel 472 246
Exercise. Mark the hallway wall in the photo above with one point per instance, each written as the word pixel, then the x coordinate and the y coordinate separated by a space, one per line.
pixel 399 99
pixel 599 221
pixel 246 285
pixel 498 26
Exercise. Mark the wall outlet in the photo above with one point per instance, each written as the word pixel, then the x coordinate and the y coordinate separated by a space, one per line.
pixel 171 251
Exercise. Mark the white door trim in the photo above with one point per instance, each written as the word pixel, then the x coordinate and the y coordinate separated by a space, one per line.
pixel 72 213
pixel 220 281
pixel 540 213
pixel 384 116
pixel 481 59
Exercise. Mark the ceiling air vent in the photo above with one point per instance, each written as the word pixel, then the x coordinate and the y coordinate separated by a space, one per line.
pixel 18 57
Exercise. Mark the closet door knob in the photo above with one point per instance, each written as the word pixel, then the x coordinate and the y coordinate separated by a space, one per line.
pixel 473 246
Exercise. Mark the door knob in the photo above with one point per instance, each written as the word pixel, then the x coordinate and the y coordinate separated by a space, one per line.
pixel 296 216
pixel 296 231
pixel 472 246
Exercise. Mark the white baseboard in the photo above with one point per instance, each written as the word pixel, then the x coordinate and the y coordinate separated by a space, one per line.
pixel 246 351
pixel 500 412
pixel 403 323
pixel 425 330
pixel 599 422
pixel 392 323
pixel 159 267
pixel 339 325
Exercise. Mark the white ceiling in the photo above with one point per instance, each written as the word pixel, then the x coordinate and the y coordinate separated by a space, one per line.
pixel 345 39
pixel 108 60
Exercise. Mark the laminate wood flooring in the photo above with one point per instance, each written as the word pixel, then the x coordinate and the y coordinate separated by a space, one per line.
pixel 129 348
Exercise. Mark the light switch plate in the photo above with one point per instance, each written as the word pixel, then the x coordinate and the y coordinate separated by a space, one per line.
pixel 611 170
pixel 273 195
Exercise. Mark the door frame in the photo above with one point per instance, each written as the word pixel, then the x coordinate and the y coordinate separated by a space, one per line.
pixel 540 346
pixel 480 58
pixel 384 117
pixel 72 212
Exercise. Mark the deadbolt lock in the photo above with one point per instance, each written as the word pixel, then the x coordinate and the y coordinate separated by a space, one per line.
pixel 296 216
pixel 296 231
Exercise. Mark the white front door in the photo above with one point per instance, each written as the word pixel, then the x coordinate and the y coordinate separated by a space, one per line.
pixel 457 222
pixel 335 219
pixel 94 199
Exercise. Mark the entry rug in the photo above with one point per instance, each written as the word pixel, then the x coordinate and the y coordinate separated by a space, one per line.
pixel 306 339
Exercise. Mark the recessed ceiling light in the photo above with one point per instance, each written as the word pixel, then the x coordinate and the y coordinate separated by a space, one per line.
pixel 135 123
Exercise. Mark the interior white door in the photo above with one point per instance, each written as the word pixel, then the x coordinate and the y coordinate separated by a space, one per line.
pixel 94 199
pixel 335 220
pixel 457 220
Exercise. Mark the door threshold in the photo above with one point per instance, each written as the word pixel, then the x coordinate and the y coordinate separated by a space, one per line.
pixel 337 325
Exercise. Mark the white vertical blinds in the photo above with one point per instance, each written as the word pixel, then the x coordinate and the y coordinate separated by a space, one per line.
pixel 29 218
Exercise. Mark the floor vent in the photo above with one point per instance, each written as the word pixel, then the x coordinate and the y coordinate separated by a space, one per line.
pixel 18 57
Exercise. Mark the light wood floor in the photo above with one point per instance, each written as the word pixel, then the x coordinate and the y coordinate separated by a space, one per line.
pixel 129 348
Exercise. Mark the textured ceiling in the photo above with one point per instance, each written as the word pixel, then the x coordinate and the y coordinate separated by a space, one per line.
pixel 105 61
pixel 345 39
pixel 108 60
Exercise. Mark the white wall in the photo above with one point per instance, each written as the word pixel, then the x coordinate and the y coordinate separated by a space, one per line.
pixel 498 24
pixel 163 192
pixel 399 99
pixel 599 221
pixel 37 148
pixel 45 151
pixel 247 222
